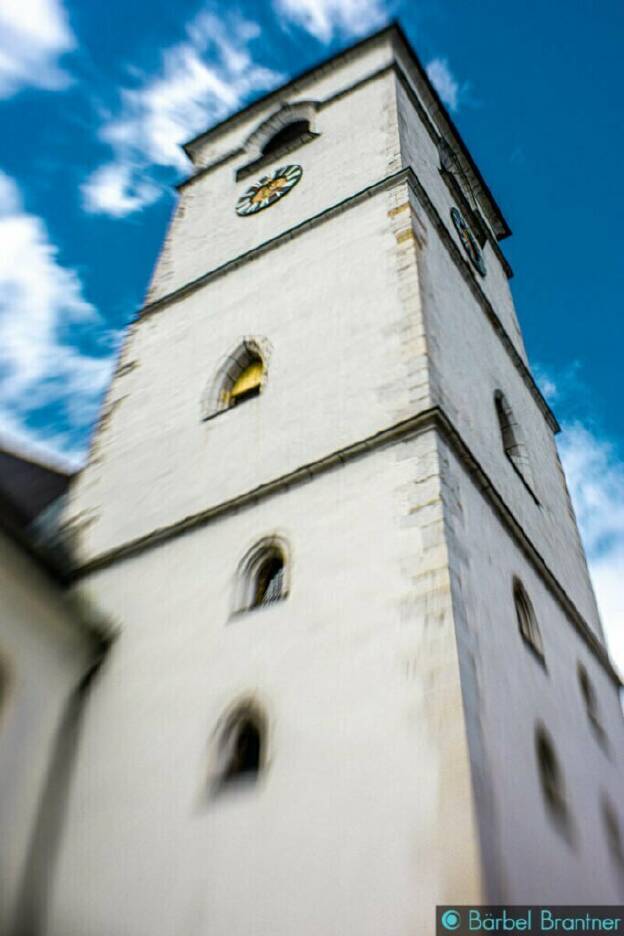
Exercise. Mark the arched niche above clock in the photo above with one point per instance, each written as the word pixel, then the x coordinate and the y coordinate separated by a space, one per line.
pixel 288 128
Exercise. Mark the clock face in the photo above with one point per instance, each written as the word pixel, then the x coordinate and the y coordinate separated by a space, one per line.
pixel 469 241
pixel 269 189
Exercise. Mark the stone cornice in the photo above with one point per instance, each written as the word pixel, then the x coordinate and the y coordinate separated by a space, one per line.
pixel 433 418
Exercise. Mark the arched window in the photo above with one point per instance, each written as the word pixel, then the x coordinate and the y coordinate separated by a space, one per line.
pixel 269 579
pixel 527 622
pixel 289 127
pixel 263 575
pixel 241 377
pixel 242 742
pixel 247 385
pixel 511 437
pixel 590 700
pixel 550 775
pixel 287 134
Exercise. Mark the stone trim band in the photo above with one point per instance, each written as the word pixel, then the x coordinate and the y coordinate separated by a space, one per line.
pixel 433 418
pixel 403 175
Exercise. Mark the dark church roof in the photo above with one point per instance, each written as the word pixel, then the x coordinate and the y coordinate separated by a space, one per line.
pixel 27 489
pixel 30 486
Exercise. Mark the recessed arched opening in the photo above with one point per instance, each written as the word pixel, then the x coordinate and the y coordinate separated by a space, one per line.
pixel 527 621
pixel 506 423
pixel 248 383
pixel 263 575
pixel 590 699
pixel 241 747
pixel 269 579
pixel 551 777
pixel 246 748
pixel 512 439
pixel 241 377
pixel 285 135
pixel 290 126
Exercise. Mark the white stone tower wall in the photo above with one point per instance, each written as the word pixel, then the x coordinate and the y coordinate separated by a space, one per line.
pixel 384 681
pixel 468 364
pixel 507 693
pixel 345 347
pixel 203 237
pixel 364 816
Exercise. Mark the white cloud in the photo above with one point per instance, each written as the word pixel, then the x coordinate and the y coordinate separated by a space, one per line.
pixel 607 575
pixel 445 83
pixel 34 34
pixel 114 189
pixel 324 18
pixel 39 301
pixel 595 475
pixel 201 80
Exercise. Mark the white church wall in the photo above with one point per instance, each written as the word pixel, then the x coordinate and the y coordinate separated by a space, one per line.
pixel 364 817
pixel 357 147
pixel 43 655
pixel 323 83
pixel 347 359
pixel 468 364
pixel 421 153
pixel 534 862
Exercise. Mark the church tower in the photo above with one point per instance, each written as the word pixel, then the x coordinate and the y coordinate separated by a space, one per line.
pixel 359 670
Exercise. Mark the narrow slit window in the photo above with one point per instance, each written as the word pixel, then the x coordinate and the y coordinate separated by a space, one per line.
pixel 551 777
pixel 590 700
pixel 263 576
pixel 512 440
pixel 527 622
pixel 244 758
pixel 269 583
pixel 241 748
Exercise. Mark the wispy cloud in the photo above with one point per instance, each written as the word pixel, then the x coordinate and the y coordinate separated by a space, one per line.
pixel 118 189
pixel 595 474
pixel 325 19
pixel 445 83
pixel 41 307
pixel 200 81
pixel 34 34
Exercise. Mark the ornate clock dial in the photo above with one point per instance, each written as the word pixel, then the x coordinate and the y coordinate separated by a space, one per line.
pixel 269 189
pixel 469 241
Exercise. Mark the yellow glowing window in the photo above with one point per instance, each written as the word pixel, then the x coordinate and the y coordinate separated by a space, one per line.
pixel 247 384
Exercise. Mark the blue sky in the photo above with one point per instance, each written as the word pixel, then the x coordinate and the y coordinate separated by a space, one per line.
pixel 95 98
